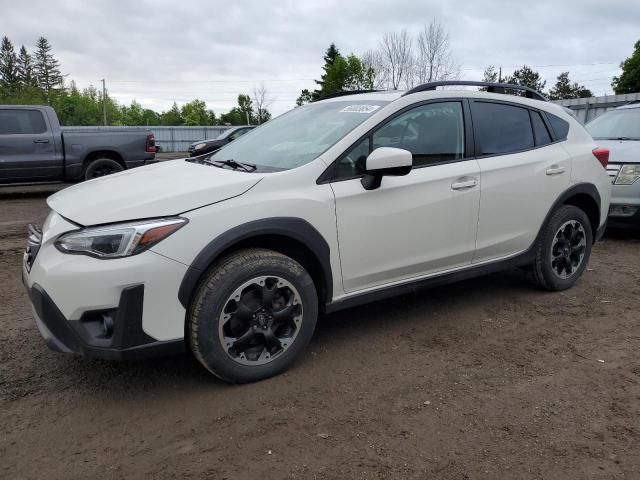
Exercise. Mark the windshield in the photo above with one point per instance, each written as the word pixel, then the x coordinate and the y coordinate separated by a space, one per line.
pixel 623 123
pixel 299 136
pixel 225 134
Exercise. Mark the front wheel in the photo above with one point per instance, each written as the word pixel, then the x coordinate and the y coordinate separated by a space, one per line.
pixel 252 316
pixel 563 249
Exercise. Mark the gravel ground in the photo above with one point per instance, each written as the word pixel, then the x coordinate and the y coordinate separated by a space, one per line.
pixel 484 379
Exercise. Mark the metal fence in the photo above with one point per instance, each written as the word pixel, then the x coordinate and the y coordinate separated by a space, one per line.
pixel 589 108
pixel 178 139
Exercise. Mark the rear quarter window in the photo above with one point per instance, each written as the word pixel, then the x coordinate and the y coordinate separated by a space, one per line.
pixel 559 126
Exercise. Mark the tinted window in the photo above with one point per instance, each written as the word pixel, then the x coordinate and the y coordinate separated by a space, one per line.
pixel 238 133
pixel 539 129
pixel 501 128
pixel 560 127
pixel 433 133
pixel 21 122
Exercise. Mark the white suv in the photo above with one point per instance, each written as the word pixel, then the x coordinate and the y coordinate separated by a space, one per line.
pixel 340 202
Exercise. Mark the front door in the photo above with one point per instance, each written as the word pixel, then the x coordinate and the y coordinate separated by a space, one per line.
pixel 414 225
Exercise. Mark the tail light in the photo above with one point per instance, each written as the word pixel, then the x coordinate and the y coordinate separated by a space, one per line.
pixel 602 154
pixel 150 144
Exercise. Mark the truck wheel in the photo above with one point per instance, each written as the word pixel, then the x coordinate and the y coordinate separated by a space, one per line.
pixel 101 167
pixel 252 316
pixel 563 250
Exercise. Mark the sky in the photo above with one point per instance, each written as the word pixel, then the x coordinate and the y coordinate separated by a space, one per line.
pixel 162 51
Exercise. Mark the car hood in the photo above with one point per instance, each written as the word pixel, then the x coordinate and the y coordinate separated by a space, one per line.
pixel 163 189
pixel 621 151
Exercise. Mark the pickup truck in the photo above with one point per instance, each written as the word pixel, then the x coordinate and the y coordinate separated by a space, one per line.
pixel 34 148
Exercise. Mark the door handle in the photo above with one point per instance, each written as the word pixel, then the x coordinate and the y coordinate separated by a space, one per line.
pixel 464 184
pixel 555 170
pixel 41 140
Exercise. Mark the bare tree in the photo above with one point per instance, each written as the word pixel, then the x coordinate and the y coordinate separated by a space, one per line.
pixel 372 61
pixel 433 59
pixel 395 53
pixel 261 103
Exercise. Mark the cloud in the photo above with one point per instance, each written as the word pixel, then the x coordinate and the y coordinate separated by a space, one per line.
pixel 158 52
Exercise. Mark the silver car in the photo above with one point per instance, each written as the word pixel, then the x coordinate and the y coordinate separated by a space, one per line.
pixel 619 131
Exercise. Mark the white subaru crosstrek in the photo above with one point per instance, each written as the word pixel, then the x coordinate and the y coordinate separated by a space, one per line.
pixel 343 201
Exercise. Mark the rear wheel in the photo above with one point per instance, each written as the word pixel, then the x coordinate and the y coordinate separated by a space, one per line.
pixel 100 167
pixel 253 315
pixel 563 250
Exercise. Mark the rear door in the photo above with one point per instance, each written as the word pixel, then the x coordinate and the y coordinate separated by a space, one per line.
pixel 27 148
pixel 523 172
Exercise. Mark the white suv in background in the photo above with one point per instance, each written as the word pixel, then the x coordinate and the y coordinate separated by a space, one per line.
pixel 347 200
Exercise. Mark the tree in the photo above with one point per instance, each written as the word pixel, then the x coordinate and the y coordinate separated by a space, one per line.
pixel 195 113
pixel 434 60
pixel 26 74
pixel 374 64
pixel 490 74
pixel 172 116
pixel 262 104
pixel 396 55
pixel 629 80
pixel 564 89
pixel 243 114
pixel 9 79
pixel 47 69
pixel 527 77
pixel 329 58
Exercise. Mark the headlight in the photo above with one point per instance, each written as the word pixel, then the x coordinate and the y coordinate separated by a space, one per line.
pixel 118 240
pixel 628 174
pixel 199 146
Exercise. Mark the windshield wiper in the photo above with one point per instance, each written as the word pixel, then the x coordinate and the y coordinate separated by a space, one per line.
pixel 247 167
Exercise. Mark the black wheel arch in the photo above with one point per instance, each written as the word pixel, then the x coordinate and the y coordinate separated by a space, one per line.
pixel 290 236
pixel 95 154
pixel 586 197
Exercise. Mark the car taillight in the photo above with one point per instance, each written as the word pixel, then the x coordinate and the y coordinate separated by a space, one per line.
pixel 150 144
pixel 602 154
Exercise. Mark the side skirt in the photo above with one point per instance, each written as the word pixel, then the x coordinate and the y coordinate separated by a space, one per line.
pixel 525 258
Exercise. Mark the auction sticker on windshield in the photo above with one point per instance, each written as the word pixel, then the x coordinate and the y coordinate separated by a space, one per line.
pixel 360 109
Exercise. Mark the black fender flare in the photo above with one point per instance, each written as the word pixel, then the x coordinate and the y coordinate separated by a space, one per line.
pixel 579 188
pixel 292 227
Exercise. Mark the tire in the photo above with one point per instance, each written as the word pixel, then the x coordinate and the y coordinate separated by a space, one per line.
pixel 253 314
pixel 100 167
pixel 563 249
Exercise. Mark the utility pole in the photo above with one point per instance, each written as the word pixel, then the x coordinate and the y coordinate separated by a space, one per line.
pixel 247 112
pixel 104 102
pixel 500 76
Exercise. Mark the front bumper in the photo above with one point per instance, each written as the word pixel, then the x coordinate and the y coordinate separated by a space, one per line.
pixel 114 334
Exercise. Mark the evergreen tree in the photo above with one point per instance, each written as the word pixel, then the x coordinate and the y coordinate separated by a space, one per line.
pixel 564 89
pixel 8 66
pixel 629 80
pixel 527 77
pixel 47 69
pixel 26 74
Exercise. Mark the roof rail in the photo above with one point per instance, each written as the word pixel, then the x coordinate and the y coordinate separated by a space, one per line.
pixel 491 87
pixel 342 94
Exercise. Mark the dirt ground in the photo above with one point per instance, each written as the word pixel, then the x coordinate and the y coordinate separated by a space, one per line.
pixel 484 379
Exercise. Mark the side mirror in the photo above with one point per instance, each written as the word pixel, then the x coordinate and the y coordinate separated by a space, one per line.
pixel 386 161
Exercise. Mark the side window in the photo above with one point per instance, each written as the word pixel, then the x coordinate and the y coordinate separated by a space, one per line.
pixel 539 129
pixel 14 122
pixel 501 128
pixel 353 163
pixel 433 133
pixel 560 126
